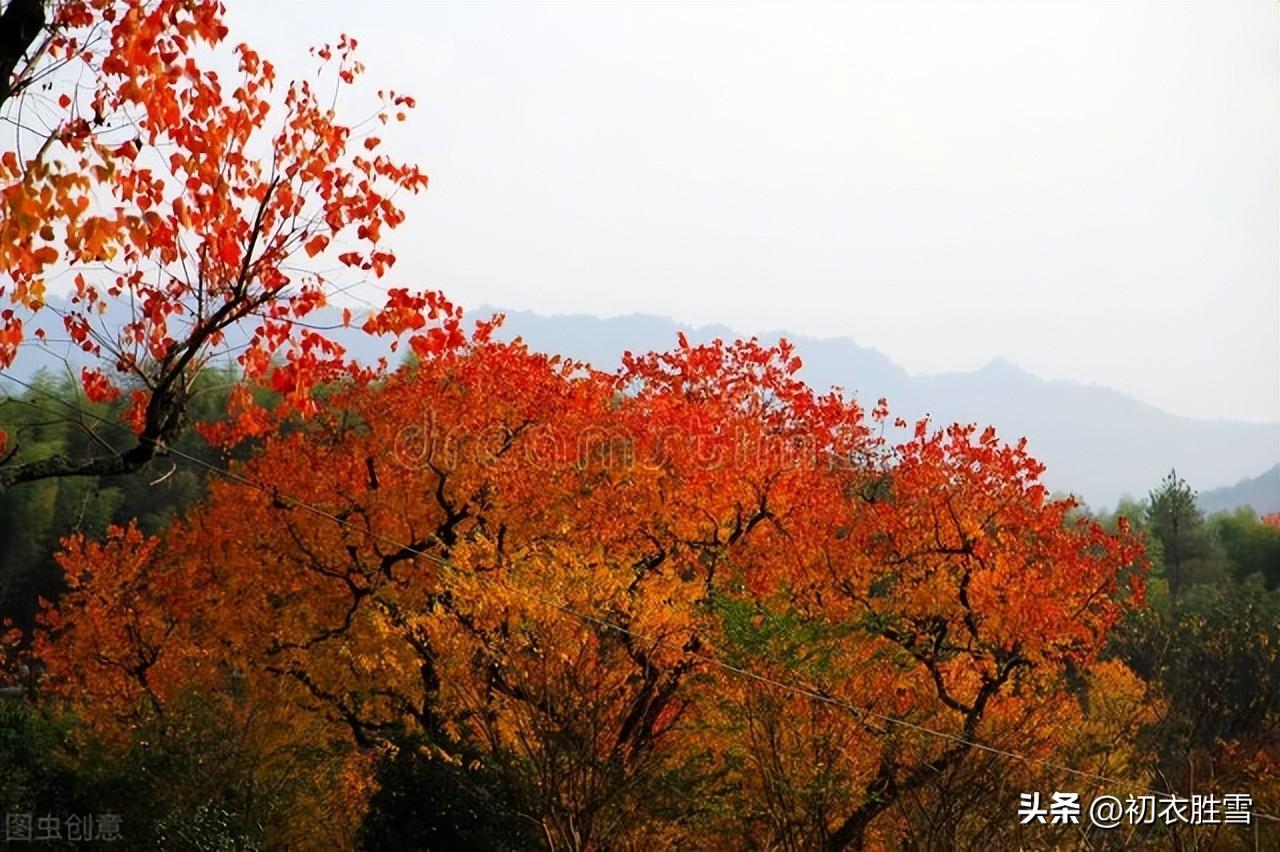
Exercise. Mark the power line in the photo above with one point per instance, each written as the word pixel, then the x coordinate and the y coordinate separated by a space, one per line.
pixel 858 712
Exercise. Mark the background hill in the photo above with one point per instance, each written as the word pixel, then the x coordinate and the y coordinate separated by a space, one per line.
pixel 1261 492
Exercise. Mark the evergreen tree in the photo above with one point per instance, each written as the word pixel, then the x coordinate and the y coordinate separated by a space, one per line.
pixel 1176 524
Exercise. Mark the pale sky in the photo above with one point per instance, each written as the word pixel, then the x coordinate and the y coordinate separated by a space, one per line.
pixel 1090 191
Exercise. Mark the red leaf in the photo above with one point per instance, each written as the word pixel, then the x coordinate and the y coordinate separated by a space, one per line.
pixel 316 244
pixel 97 387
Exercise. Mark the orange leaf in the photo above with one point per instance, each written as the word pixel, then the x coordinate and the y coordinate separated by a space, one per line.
pixel 316 244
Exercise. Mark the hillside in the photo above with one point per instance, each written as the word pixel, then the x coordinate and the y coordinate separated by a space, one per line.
pixel 1261 492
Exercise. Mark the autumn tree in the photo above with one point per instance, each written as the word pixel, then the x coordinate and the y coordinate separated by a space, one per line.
pixel 518 561
pixel 198 211
pixel 942 581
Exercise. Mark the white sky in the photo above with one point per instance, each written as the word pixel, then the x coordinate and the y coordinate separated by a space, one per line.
pixel 1091 191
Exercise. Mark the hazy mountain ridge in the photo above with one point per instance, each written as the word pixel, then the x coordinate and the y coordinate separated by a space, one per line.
pixel 1261 492
pixel 1096 442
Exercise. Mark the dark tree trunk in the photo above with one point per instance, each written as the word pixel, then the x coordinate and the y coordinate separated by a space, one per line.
pixel 19 25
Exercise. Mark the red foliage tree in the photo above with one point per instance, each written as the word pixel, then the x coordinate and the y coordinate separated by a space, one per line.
pixel 203 209
pixel 495 547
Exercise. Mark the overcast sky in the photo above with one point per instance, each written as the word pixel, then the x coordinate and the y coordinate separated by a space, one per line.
pixel 1090 191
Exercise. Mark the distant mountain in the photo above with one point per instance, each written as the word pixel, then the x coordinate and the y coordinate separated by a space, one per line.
pixel 1097 443
pixel 1262 492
